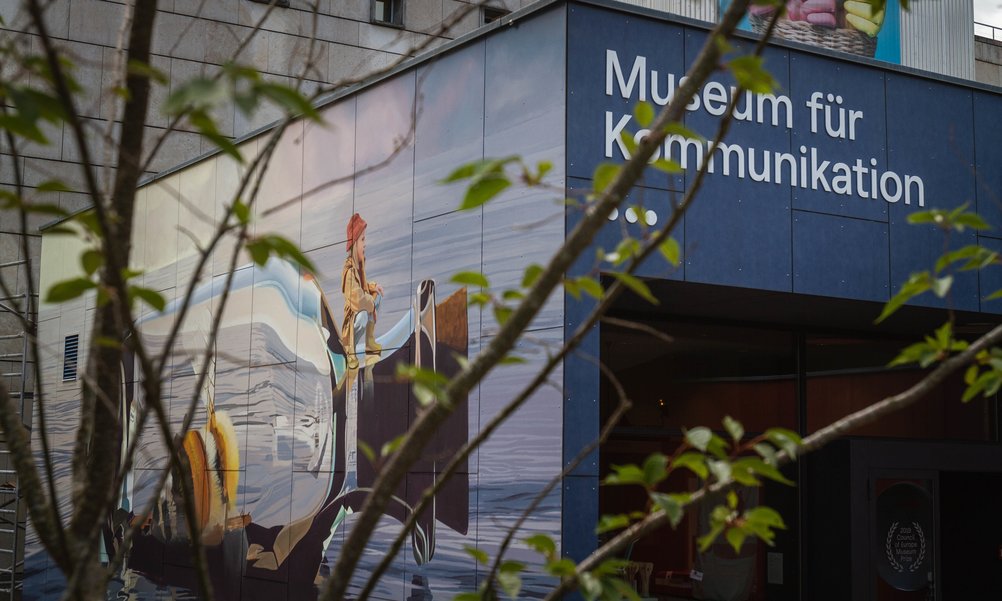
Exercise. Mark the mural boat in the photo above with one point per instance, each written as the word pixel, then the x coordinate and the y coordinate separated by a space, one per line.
pixel 311 417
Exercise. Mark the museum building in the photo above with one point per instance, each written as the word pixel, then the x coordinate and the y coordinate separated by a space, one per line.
pixel 797 238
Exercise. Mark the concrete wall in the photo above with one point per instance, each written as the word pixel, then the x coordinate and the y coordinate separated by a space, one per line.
pixel 988 61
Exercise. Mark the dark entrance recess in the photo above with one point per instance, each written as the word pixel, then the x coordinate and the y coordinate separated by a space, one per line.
pixel 773 359
pixel 971 535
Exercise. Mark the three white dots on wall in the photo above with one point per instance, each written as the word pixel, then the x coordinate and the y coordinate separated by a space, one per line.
pixel 631 215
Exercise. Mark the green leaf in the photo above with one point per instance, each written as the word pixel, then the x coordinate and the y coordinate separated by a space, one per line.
pixel 207 127
pixel 757 466
pixel 390 446
pixel 956 255
pixel 734 428
pixel 68 290
pixel 673 505
pixel 571 287
pixel 241 211
pixel 706 541
pixel 608 523
pixel 482 167
pixel 699 438
pixel 501 314
pixel 289 99
pixel 604 174
pixel 140 68
pixel 752 75
pixel 677 129
pixel 561 567
pixel 610 566
pixel 767 452
pixel 513 295
pixel 483 190
pixel 286 249
pixel 627 248
pixel 591 588
pixel 19 125
pixel 511 566
pixel 670 251
pixel 478 554
pixel 721 470
pixel 367 451
pixel 941 286
pixel 667 166
pixel 107 342
pixel 479 299
pixel 45 208
pixel 91 260
pixel 629 142
pixel 591 286
pixel 471 278
pixel 53 185
pixel 694 462
pixel 625 474
pixel 636 285
pixel 765 515
pixel 736 537
pixel 621 590
pixel 788 440
pixel 151 297
pixel 655 469
pixel 198 92
pixel 994 295
pixel 532 273
pixel 259 251
pixel 542 168
pixel 542 544
pixel 971 220
pixel 916 284
pixel 644 113
pixel 469 596
pixel 511 583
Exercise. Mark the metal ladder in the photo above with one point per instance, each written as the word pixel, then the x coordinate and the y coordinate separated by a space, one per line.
pixel 14 369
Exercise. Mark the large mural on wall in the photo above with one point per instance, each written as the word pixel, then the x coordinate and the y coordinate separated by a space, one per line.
pixel 302 377
pixel 852 26
pixel 345 383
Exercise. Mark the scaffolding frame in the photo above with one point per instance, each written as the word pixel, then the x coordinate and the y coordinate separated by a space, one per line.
pixel 14 369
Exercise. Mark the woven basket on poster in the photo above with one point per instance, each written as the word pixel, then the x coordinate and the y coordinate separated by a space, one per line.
pixel 845 40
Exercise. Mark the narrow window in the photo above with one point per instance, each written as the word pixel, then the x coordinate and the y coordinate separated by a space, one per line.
pixel 70 353
pixel 388 12
pixel 489 14
pixel 278 3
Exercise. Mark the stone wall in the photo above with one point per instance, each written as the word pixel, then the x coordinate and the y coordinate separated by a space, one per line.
pixel 988 61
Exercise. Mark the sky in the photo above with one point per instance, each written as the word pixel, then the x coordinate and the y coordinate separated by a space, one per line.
pixel 988 11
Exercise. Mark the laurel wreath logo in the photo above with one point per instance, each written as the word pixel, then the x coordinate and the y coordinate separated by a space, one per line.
pixel 921 555
pixel 889 551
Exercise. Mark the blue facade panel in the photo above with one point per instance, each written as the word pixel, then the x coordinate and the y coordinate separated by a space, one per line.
pixel 862 125
pixel 930 134
pixel 839 256
pixel 988 160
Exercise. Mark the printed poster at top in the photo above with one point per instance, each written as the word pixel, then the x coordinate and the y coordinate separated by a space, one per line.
pixel 853 26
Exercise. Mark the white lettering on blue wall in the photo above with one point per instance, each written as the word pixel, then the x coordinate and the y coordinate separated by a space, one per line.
pixel 829 115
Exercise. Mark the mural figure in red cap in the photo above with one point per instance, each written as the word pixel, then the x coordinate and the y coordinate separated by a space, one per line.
pixel 361 300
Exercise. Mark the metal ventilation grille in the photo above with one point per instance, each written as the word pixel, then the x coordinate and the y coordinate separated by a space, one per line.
pixel 70 353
